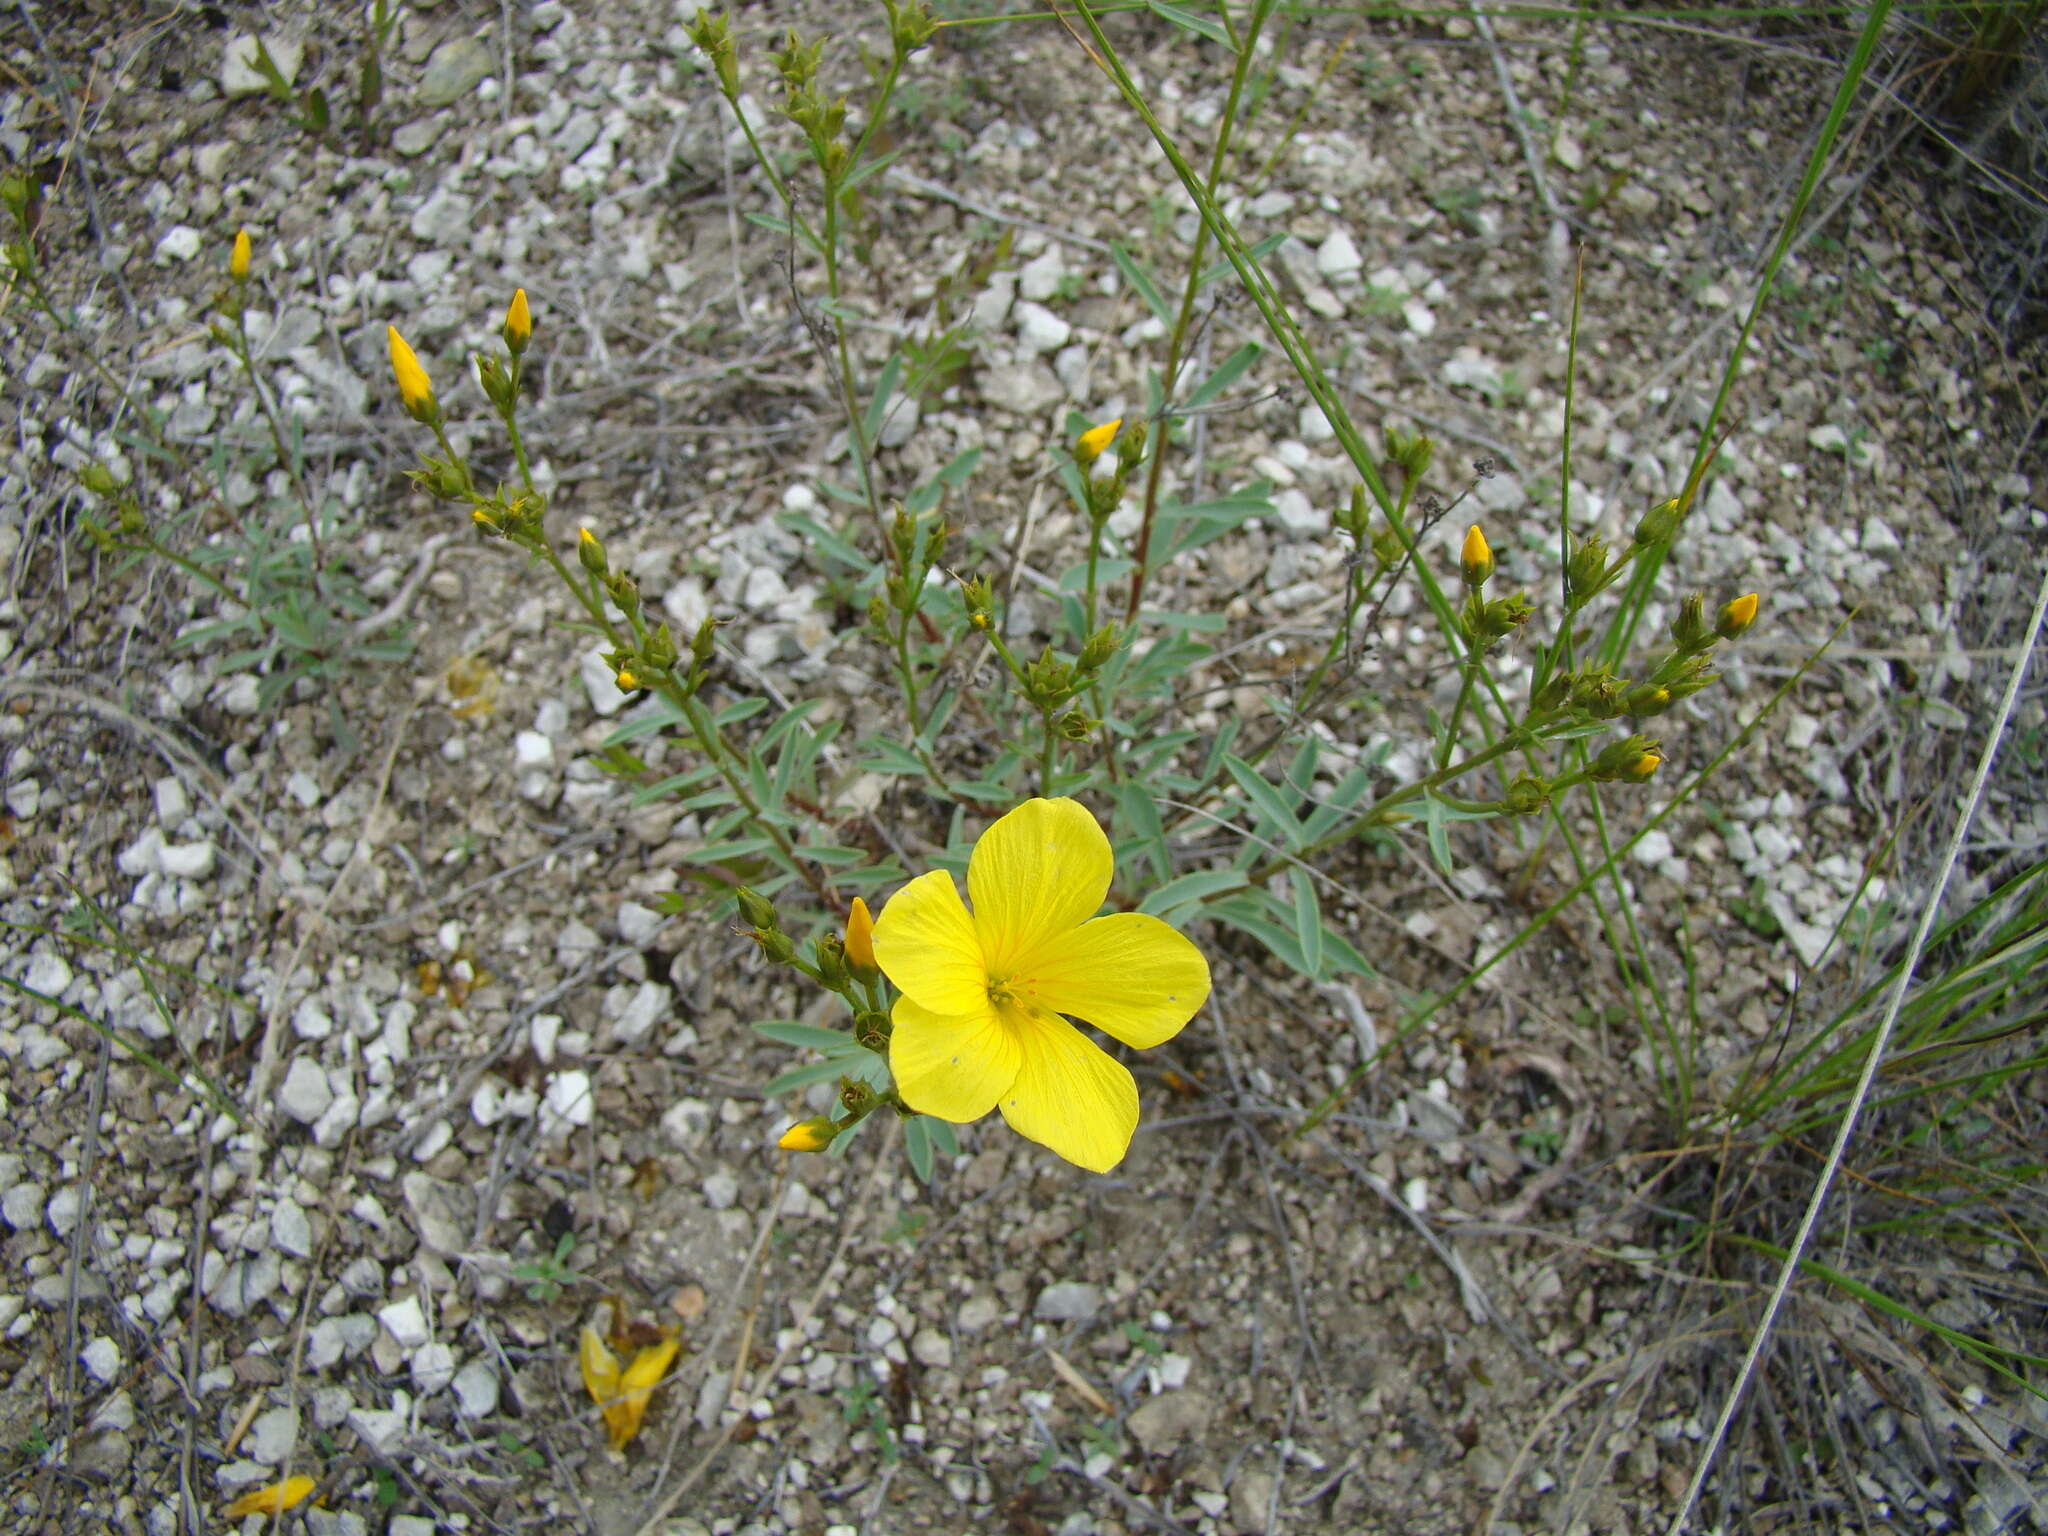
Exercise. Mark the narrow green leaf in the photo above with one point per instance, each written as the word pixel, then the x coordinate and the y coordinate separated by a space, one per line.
pixel 1190 889
pixel 1227 373
pixel 1141 280
pixel 917 1146
pixel 1308 922
pixel 1276 813
pixel 809 1037
pixel 1188 21
pixel 878 402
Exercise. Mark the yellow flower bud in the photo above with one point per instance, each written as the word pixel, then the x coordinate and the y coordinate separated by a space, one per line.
pixel 1640 770
pixel 272 1499
pixel 1095 439
pixel 415 390
pixel 860 936
pixel 1476 558
pixel 1736 615
pixel 812 1135
pixel 626 680
pixel 518 328
pixel 238 258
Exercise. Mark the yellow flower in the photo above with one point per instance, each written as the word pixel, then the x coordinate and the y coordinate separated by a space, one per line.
pixel 272 1500
pixel 518 322
pixel 979 1024
pixel 812 1135
pixel 415 390
pixel 1737 614
pixel 622 1395
pixel 1095 439
pixel 860 937
pixel 627 680
pixel 238 258
pixel 1476 558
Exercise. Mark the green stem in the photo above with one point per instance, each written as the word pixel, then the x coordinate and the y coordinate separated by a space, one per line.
pixel 1450 742
pixel 1048 763
pixel 1380 809
pixel 1170 375
pixel 702 726
pixel 286 460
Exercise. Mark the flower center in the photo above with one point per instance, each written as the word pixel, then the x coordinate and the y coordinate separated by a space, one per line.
pixel 1002 991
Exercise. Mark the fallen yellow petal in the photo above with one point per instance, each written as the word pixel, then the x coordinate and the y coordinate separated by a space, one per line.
pixel 600 1369
pixel 622 1416
pixel 273 1500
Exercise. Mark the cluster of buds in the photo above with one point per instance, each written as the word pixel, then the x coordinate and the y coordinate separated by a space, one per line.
pixel 652 657
pixel 1051 683
pixel 1486 621
pixel 844 964
pixel 919 551
pixel 119 500
pixel 1102 495
pixel 1355 522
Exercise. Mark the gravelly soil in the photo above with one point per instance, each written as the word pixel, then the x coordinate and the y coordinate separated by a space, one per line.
pixel 459 1029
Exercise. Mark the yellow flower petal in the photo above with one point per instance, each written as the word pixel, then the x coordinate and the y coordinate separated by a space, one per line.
pixel 238 256
pixel 924 941
pixel 272 1500
pixel 1070 1095
pixel 860 935
pixel 636 1386
pixel 1130 975
pixel 952 1066
pixel 415 391
pixel 1040 870
pixel 600 1368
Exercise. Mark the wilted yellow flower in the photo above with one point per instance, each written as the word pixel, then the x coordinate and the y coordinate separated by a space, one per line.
pixel 812 1135
pixel 1736 615
pixel 1095 439
pixel 622 1395
pixel 1476 558
pixel 238 258
pixel 518 328
pixel 979 1024
pixel 860 936
pixel 415 390
pixel 272 1500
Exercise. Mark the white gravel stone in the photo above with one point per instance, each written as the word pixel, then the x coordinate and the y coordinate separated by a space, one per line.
pixel 272 1436
pixel 180 242
pixel 721 1190
pixel 239 75
pixel 638 1010
pixel 530 749
pixel 638 925
pixel 433 1368
pixel 305 1094
pixel 245 1284
pixel 1297 515
pixel 1338 257
pixel 686 1122
pixel 63 1210
pixel 188 861
pixel 339 1120
pixel 476 1390
pixel 291 1229
pixel 1419 317
pixel 22 1206
pixel 605 695
pixel 932 1348
pixel 101 1358
pixel 1039 278
pixel 48 974
pixel 1654 848
pixel 1040 330
pixel 568 1102
pixel 140 857
pixel 1068 1301
pixel 383 1428
pixel 406 1322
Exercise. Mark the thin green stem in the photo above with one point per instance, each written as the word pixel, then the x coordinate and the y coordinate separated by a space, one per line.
pixel 1450 741
pixel 1183 321
pixel 285 458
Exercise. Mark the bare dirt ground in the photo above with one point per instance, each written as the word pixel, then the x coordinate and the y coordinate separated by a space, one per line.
pixel 458 1028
